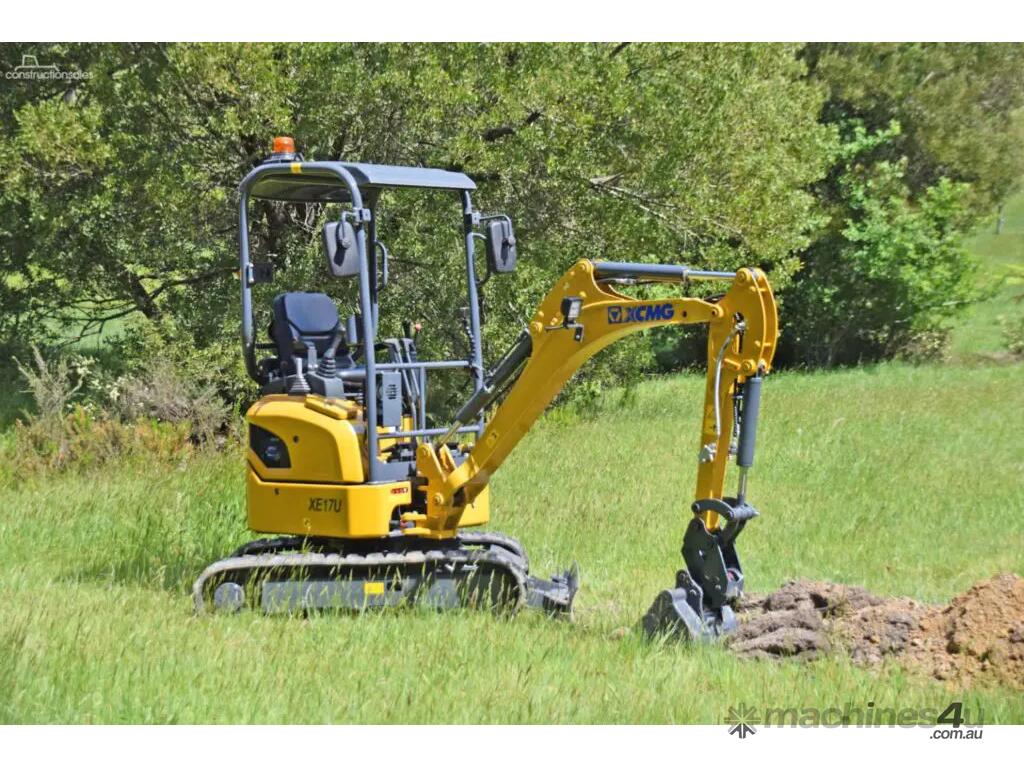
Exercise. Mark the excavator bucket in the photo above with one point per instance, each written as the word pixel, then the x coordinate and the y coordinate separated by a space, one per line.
pixel 699 607
pixel 680 614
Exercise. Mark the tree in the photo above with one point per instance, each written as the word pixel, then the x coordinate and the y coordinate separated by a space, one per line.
pixel 932 139
pixel 958 105
pixel 118 197
pixel 889 273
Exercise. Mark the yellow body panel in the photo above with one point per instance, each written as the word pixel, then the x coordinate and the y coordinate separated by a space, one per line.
pixel 324 438
pixel 318 509
pixel 478 511
pixel 323 491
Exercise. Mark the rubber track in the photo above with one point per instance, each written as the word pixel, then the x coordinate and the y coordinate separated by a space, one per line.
pixel 493 538
pixel 470 538
pixel 432 559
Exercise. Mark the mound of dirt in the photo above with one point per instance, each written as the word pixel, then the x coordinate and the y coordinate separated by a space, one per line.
pixel 980 634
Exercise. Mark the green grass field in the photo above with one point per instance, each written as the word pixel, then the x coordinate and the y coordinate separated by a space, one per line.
pixel 903 479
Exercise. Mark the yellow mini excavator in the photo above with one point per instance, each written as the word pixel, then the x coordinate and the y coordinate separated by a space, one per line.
pixel 370 504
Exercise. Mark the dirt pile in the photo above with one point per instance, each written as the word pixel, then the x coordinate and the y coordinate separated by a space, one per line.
pixel 980 634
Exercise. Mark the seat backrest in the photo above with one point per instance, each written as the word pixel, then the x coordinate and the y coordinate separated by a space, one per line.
pixel 302 320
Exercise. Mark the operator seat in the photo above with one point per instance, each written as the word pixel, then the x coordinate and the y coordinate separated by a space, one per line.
pixel 306 326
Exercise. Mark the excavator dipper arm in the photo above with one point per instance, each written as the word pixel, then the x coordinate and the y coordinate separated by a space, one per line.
pixel 581 315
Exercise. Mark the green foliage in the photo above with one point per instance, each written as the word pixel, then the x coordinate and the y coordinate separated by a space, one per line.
pixel 118 195
pixel 85 417
pixel 1013 334
pixel 959 105
pixel 86 440
pixel 118 192
pixel 931 139
pixel 889 273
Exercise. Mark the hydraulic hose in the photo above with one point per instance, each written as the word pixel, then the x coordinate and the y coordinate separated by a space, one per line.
pixel 739 327
pixel 493 385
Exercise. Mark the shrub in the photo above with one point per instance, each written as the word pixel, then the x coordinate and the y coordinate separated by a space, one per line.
pixel 890 273
pixel 1013 334
pixel 84 419
pixel 83 439
pixel 52 385
pixel 161 394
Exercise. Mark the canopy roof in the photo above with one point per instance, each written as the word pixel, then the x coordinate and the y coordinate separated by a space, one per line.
pixel 319 185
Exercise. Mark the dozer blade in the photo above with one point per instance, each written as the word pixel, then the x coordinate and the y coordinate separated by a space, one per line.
pixel 554 596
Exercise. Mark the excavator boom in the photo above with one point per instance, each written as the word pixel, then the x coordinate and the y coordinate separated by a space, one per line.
pixel 582 315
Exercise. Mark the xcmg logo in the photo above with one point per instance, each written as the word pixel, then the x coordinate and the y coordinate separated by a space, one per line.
pixel 645 313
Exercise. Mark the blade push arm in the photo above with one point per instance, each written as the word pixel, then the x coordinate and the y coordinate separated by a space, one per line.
pixel 580 316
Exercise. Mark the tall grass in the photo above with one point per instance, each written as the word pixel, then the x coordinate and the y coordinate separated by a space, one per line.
pixel 900 478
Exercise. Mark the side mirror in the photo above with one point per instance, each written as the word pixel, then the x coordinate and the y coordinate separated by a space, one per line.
pixel 501 246
pixel 341 249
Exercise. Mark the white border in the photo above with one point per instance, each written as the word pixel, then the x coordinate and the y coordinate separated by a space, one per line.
pixel 527 20
pixel 496 746
pixel 487 746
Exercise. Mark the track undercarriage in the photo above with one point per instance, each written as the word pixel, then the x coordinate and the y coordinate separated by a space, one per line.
pixel 298 575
